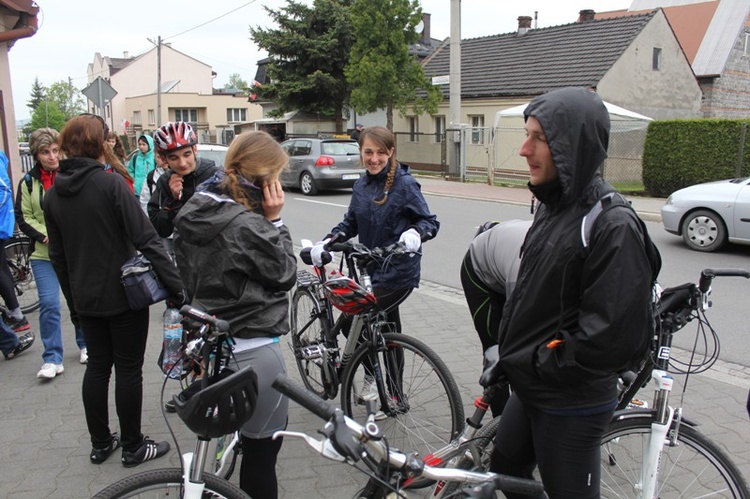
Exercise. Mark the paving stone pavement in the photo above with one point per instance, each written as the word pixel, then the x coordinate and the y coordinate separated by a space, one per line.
pixel 44 443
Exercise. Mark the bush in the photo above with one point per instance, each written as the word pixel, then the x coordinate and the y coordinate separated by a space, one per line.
pixel 679 153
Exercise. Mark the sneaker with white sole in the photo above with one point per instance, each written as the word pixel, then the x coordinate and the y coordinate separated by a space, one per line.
pixel 49 371
pixel 369 391
pixel 147 451
pixel 84 356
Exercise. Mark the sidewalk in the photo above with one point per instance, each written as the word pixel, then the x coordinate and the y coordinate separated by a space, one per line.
pixel 649 209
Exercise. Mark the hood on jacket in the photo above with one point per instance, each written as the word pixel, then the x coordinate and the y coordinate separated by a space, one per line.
pixel 150 141
pixel 73 173
pixel 576 124
pixel 205 215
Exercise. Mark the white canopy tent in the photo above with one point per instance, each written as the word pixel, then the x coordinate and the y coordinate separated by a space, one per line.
pixel 615 113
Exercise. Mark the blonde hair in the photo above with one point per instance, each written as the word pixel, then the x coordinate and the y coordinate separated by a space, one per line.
pixel 256 157
pixel 383 138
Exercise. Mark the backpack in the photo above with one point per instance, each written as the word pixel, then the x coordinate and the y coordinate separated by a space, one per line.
pixel 606 203
pixel 7 214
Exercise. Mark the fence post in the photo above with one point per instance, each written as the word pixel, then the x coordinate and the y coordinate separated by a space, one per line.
pixel 740 158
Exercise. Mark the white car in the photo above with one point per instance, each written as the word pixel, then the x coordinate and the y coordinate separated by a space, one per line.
pixel 709 215
pixel 214 152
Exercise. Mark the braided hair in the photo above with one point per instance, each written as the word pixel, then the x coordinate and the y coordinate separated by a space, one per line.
pixel 252 159
pixel 383 138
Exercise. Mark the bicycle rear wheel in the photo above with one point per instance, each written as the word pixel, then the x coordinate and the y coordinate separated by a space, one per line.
pixel 308 342
pixel 425 410
pixel 227 449
pixel 17 253
pixel 167 483
pixel 694 467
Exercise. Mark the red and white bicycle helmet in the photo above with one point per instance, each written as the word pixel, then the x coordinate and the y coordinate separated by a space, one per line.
pixel 173 136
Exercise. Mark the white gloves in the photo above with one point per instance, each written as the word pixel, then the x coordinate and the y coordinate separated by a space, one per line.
pixel 411 239
pixel 316 253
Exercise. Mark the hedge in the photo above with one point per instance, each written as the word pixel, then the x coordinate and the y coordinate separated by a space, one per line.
pixel 679 153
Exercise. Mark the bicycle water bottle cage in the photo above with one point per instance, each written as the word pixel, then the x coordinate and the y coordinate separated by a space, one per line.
pixel 347 295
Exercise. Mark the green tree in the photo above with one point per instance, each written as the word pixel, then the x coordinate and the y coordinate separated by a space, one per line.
pixel 47 114
pixel 380 70
pixel 68 99
pixel 235 81
pixel 308 53
pixel 38 94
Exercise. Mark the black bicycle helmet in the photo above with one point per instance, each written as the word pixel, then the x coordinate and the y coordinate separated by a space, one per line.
pixel 222 407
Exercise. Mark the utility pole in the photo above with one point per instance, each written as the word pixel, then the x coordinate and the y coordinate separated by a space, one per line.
pixel 158 78
pixel 454 81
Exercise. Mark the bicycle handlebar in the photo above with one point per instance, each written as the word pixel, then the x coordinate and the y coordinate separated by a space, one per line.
pixel 347 436
pixel 219 325
pixel 708 275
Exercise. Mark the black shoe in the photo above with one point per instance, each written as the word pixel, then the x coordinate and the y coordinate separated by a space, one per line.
pixel 147 451
pixel 24 343
pixel 98 456
pixel 169 406
pixel 18 325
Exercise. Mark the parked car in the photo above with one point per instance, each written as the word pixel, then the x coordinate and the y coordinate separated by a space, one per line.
pixel 318 164
pixel 709 215
pixel 23 147
pixel 214 152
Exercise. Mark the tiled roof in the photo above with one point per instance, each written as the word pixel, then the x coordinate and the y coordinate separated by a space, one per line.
pixel 577 54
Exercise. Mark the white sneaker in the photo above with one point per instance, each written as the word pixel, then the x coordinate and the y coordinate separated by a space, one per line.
pixel 49 371
pixel 84 356
pixel 369 390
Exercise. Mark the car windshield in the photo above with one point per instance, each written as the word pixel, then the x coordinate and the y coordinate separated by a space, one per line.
pixel 340 148
pixel 215 156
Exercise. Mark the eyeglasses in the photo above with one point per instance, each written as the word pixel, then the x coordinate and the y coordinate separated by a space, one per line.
pixel 105 128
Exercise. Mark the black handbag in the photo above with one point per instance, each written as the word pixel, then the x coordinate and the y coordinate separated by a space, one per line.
pixel 142 286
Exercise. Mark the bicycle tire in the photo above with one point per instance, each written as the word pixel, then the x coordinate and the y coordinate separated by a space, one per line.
pixel 167 482
pixel 483 443
pixel 430 412
pixel 17 254
pixel 308 338
pixel 695 467
pixel 224 468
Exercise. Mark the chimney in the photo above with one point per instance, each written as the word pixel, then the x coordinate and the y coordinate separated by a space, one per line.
pixel 426 35
pixel 586 15
pixel 126 55
pixel 524 25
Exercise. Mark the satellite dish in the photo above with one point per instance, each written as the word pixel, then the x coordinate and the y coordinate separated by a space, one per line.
pixel 419 28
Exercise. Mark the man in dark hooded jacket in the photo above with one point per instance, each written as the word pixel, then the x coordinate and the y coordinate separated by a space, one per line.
pixel 575 319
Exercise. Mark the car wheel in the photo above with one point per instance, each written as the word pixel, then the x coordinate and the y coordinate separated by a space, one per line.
pixel 307 184
pixel 704 230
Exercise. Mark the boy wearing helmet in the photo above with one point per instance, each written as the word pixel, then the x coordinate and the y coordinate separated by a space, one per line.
pixel 175 143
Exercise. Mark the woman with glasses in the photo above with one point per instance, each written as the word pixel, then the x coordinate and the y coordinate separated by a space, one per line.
pixel 95 224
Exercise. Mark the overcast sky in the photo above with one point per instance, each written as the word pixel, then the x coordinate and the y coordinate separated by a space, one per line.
pixel 72 31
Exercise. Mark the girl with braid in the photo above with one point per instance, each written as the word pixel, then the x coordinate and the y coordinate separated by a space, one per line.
pixel 386 207
pixel 236 260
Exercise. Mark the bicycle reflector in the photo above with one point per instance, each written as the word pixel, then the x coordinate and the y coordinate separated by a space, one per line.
pixel 347 295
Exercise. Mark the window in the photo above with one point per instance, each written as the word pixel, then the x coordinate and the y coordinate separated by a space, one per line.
pixel 137 118
pixel 439 128
pixel 236 115
pixel 747 43
pixel 413 129
pixel 190 115
pixel 151 117
pixel 477 129
pixel 656 61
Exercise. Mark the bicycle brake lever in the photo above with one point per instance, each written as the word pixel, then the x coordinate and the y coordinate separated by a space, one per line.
pixel 322 447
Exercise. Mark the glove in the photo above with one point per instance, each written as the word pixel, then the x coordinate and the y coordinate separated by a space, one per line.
pixel 491 372
pixel 411 239
pixel 177 301
pixel 317 251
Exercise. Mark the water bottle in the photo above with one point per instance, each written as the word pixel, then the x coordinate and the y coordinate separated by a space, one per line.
pixel 171 321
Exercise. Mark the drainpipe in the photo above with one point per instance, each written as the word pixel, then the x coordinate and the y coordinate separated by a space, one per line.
pixel 26 26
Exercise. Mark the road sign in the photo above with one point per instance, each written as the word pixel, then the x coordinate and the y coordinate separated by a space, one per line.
pixel 99 92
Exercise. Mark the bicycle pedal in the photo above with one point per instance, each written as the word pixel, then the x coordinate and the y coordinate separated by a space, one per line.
pixel 311 352
pixel 638 404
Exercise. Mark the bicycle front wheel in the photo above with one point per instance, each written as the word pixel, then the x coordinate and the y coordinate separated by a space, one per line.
pixel 167 483
pixel 694 467
pixel 477 453
pixel 425 410
pixel 227 448
pixel 17 253
pixel 308 342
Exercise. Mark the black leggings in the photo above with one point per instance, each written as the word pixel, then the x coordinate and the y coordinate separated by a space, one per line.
pixel 486 307
pixel 7 289
pixel 566 449
pixel 258 468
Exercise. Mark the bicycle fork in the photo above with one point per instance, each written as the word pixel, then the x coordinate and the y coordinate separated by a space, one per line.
pixel 663 417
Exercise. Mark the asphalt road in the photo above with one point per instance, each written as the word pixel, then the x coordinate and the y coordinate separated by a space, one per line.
pixel 313 217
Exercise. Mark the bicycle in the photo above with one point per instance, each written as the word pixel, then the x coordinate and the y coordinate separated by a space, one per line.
pixel 214 406
pixel 420 405
pixel 18 250
pixel 347 441
pixel 646 452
